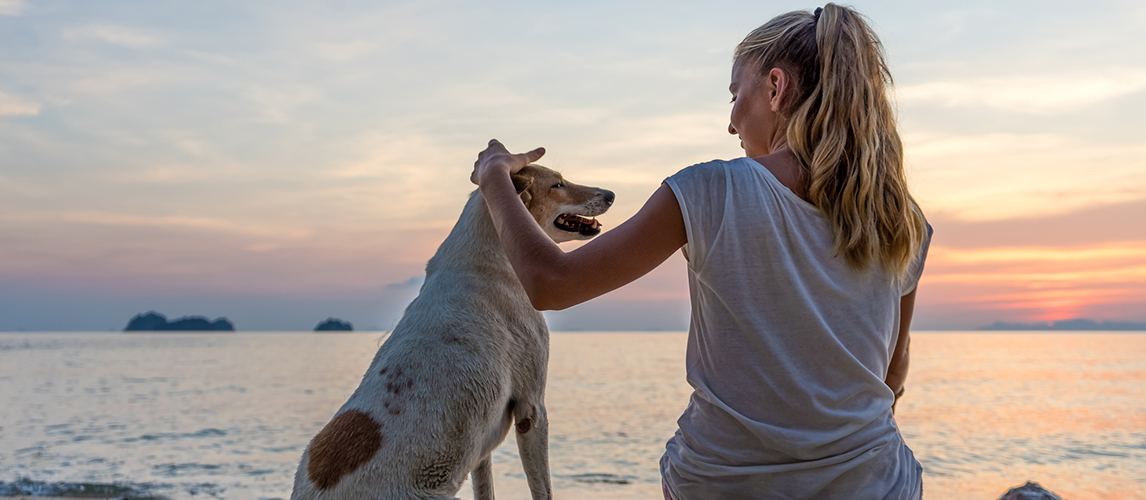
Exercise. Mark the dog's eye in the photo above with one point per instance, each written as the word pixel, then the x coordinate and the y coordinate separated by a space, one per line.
pixel 559 185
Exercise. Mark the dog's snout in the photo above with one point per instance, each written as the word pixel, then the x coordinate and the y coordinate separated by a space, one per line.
pixel 608 195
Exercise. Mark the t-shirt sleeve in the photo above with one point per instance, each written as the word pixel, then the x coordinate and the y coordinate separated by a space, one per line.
pixel 911 278
pixel 701 191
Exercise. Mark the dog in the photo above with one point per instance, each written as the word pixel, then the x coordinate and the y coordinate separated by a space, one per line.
pixel 466 362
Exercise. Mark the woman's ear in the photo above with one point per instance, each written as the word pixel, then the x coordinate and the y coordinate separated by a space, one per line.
pixel 779 86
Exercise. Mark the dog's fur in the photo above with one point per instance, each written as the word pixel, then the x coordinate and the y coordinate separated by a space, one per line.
pixel 466 361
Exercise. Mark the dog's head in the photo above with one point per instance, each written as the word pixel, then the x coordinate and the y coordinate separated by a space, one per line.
pixel 564 210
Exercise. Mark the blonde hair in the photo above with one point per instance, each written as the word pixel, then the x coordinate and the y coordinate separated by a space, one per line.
pixel 841 126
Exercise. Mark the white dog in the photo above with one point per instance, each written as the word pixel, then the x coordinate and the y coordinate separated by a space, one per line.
pixel 465 363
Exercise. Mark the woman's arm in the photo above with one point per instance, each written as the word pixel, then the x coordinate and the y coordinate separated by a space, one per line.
pixel 554 279
pixel 897 369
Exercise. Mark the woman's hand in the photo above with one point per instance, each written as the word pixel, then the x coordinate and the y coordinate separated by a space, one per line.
pixel 554 279
pixel 497 160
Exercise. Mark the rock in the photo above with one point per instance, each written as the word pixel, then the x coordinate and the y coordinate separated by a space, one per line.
pixel 155 322
pixel 1077 325
pixel 1029 491
pixel 334 325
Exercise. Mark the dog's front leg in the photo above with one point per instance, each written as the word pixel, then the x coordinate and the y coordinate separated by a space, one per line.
pixel 532 426
pixel 482 477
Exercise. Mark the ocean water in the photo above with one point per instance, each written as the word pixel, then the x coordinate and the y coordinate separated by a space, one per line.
pixel 213 415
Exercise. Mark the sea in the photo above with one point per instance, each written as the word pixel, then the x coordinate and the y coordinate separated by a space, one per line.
pixel 227 415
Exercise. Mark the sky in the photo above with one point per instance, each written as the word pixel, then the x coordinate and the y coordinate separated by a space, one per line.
pixel 281 162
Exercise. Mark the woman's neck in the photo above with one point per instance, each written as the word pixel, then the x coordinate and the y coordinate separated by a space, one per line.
pixel 784 164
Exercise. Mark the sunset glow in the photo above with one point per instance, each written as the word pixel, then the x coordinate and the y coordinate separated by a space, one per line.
pixel 279 164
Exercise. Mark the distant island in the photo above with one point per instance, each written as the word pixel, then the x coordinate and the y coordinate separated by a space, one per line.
pixel 334 325
pixel 155 322
pixel 1077 324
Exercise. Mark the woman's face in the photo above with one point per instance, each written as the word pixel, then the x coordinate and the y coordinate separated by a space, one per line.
pixel 754 116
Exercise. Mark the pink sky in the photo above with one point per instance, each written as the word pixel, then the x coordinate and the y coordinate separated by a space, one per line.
pixel 280 164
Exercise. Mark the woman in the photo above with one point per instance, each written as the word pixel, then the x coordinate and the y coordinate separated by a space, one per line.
pixel 803 259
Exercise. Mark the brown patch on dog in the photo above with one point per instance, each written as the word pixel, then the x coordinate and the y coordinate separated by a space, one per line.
pixel 524 425
pixel 347 442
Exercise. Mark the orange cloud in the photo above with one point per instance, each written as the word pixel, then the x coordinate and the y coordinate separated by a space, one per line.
pixel 1037 283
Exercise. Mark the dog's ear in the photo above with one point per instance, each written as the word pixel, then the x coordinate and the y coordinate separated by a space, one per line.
pixel 522 183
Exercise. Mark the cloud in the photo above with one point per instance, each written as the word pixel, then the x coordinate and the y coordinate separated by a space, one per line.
pixel 181 222
pixel 11 7
pixel 1027 94
pixel 323 147
pixel 115 35
pixel 182 174
pixel 1043 255
pixel 1036 282
pixel 11 106
pixel 1091 226
pixel 413 283
pixel 118 80
pixel 343 52
pixel 279 102
pixel 1041 268
pixel 1089 262
pixel 1006 176
pixel 100 218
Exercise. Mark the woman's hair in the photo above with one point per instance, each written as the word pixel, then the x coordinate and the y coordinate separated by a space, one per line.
pixel 842 128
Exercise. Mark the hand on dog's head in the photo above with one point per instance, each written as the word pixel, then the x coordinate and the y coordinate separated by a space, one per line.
pixel 496 158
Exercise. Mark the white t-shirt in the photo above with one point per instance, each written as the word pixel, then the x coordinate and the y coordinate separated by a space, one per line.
pixel 788 350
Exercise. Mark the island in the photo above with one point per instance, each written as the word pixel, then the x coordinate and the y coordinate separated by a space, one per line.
pixel 334 325
pixel 1077 325
pixel 155 322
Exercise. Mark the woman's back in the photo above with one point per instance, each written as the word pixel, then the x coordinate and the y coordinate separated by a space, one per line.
pixel 795 304
pixel 789 346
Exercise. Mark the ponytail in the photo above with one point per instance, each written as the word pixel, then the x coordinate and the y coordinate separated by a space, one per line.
pixel 841 126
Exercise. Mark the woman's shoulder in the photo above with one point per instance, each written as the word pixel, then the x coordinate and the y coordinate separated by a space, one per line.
pixel 712 170
pixel 733 175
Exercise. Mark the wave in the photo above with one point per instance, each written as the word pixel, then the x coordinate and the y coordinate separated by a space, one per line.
pixel 204 433
pixel 29 488
pixel 602 478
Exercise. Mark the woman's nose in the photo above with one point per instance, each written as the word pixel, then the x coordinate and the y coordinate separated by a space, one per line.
pixel 731 129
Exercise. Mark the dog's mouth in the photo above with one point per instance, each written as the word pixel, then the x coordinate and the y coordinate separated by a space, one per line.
pixel 577 224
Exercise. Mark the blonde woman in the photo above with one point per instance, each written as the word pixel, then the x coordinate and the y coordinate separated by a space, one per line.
pixel 803 258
